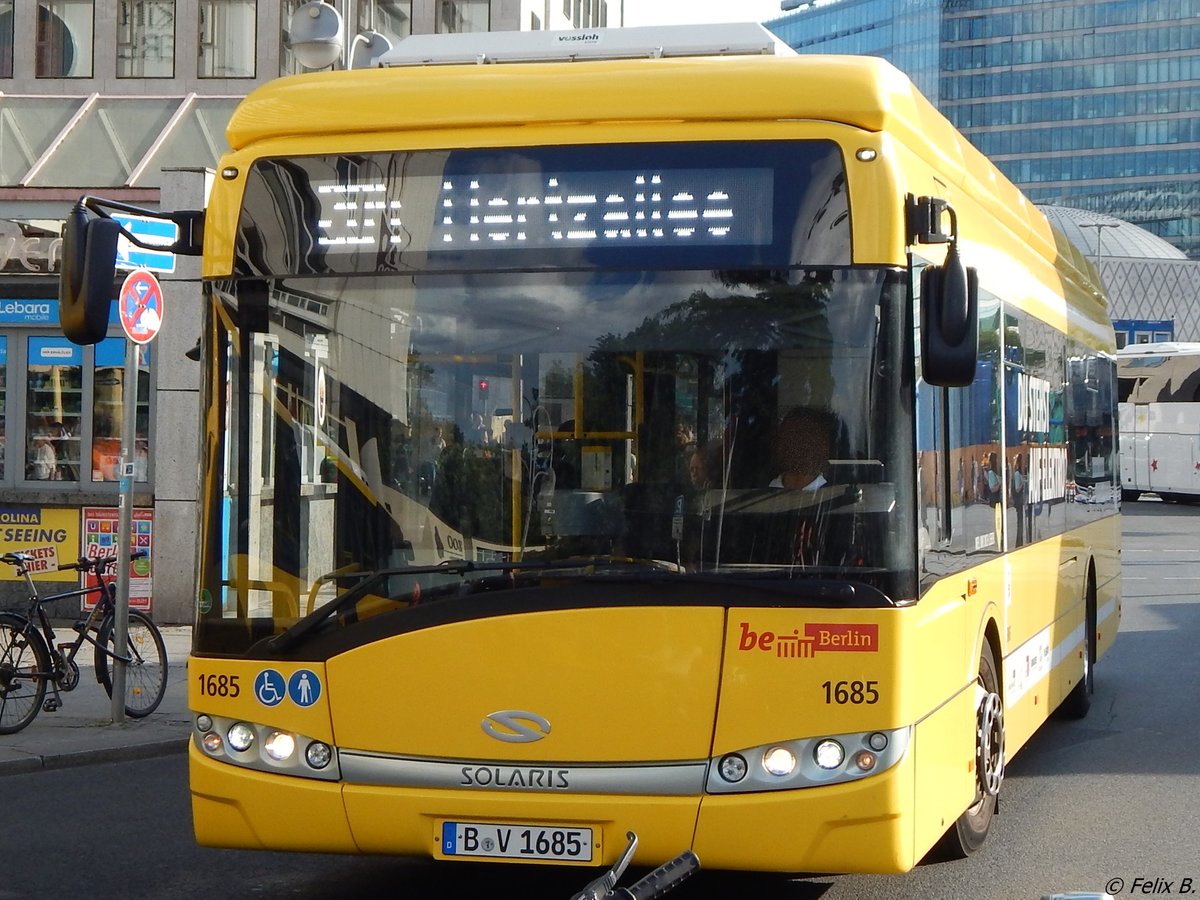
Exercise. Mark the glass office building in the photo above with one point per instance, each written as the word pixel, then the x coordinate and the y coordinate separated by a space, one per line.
pixel 1092 104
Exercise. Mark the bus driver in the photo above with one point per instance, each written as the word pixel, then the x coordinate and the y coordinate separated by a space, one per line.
pixel 801 449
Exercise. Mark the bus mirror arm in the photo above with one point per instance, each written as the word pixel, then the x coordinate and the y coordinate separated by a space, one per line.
pixel 923 220
pixel 86 286
pixel 190 223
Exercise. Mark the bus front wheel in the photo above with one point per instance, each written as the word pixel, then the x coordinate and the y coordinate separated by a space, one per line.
pixel 971 828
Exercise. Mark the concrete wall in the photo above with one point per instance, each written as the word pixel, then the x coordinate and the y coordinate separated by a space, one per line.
pixel 177 418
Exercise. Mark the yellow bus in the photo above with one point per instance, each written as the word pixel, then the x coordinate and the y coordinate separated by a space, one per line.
pixel 518 353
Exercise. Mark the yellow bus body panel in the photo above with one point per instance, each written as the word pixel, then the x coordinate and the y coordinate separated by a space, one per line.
pixel 236 807
pixel 617 684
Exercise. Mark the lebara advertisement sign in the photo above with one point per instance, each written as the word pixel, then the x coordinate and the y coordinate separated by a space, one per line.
pixel 28 312
pixel 16 311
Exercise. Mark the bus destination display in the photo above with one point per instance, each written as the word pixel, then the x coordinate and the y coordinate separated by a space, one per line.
pixel 695 207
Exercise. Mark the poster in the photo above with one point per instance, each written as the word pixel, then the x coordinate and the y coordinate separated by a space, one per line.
pixel 100 528
pixel 50 535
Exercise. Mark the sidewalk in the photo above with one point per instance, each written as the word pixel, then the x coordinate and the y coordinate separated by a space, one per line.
pixel 82 731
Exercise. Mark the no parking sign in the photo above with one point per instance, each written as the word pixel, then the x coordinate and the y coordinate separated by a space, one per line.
pixel 141 306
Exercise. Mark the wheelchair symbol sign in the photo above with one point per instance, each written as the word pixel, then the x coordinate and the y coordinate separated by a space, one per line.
pixel 269 687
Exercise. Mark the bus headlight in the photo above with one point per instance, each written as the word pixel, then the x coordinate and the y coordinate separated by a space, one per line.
pixel 732 768
pixel 779 761
pixel 318 754
pixel 807 762
pixel 241 737
pixel 829 754
pixel 280 745
pixel 265 748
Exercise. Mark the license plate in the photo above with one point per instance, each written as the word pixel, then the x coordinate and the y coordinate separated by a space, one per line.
pixel 550 842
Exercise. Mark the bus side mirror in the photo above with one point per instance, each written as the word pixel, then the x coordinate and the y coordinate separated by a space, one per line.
pixel 85 286
pixel 949 322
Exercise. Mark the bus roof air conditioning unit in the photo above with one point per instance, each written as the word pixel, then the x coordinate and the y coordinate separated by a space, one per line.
pixel 653 41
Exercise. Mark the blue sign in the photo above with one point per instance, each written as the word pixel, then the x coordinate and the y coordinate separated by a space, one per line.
pixel 304 687
pixel 269 687
pixel 38 312
pixel 28 312
pixel 160 232
pixel 54 351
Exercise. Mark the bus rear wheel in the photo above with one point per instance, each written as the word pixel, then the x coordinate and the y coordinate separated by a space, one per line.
pixel 970 830
pixel 1077 703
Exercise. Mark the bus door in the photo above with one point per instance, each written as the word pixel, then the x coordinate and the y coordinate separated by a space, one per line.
pixel 1138 451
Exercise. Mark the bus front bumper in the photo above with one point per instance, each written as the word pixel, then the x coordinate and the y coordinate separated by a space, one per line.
pixel 864 826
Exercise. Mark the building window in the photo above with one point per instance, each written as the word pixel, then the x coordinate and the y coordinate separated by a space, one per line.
pixel 62 407
pixel 391 18
pixel 456 16
pixel 108 411
pixel 6 38
pixel 227 38
pixel 64 38
pixel 146 39
pixel 288 64
pixel 54 407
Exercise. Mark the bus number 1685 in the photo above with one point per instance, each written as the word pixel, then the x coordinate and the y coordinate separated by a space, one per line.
pixel 854 692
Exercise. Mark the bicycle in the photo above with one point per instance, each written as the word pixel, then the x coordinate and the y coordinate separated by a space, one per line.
pixel 32 663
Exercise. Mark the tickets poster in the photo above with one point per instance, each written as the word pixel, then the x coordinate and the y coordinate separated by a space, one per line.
pixel 101 526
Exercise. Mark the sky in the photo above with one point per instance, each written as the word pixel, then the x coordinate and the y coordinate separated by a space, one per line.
pixel 680 12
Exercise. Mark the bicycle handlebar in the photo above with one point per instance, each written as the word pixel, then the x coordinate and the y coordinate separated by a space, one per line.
pixel 663 879
pixel 97 563
pixel 659 881
pixel 83 564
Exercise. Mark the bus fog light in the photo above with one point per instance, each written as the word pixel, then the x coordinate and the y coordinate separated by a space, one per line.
pixel 865 760
pixel 732 768
pixel 241 736
pixel 877 741
pixel 280 745
pixel 204 723
pixel 828 754
pixel 779 761
pixel 212 742
pixel 318 754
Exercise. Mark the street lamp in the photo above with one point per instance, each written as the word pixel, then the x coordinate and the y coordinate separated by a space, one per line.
pixel 317 36
pixel 1099 226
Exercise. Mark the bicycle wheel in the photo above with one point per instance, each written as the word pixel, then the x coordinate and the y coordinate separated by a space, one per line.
pixel 24 665
pixel 146 673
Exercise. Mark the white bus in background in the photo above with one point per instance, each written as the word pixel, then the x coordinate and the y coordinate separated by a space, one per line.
pixel 1159 394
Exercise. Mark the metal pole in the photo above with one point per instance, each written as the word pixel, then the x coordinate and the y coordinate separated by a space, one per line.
pixel 125 529
pixel 1099 226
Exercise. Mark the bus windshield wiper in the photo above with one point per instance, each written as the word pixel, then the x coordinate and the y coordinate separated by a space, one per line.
pixel 369 578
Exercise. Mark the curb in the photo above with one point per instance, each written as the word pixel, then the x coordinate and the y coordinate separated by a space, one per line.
pixel 143 750
pixel 147 750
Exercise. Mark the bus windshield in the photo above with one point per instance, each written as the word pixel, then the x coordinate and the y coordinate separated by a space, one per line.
pixel 608 424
